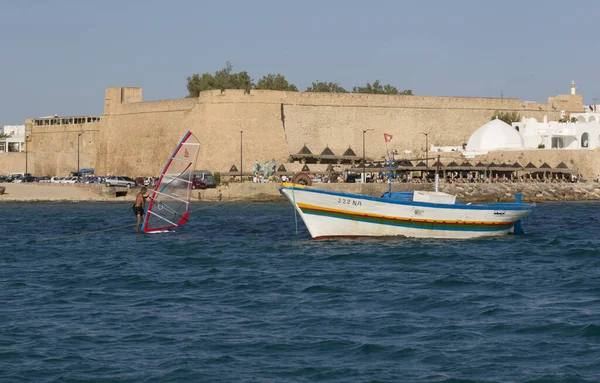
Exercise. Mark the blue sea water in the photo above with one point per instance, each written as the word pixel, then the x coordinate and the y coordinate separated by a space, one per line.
pixel 236 296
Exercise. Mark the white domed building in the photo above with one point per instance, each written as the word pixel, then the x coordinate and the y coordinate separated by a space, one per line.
pixel 494 135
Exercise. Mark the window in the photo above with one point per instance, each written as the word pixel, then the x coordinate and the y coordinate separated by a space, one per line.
pixel 585 140
pixel 13 147
pixel 557 143
pixel 2 146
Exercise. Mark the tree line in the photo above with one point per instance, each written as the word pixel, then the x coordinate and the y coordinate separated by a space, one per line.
pixel 226 79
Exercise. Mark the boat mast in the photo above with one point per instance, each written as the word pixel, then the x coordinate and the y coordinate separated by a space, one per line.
pixel 437 174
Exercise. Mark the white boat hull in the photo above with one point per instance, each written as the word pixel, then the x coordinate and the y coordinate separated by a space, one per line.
pixel 330 215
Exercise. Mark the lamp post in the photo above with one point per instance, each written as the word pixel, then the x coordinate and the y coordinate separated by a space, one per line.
pixel 241 156
pixel 364 178
pixel 426 151
pixel 26 172
pixel 78 135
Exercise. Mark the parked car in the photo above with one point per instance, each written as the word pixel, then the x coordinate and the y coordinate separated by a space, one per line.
pixel 139 181
pixel 26 179
pixel 206 177
pixel 44 179
pixel 55 180
pixel 3 179
pixel 198 183
pixel 119 181
pixel 69 180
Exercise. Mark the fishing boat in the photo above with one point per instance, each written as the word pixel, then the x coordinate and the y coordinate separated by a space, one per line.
pixel 169 204
pixel 419 214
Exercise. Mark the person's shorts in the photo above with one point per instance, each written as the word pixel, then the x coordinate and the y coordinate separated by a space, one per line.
pixel 138 210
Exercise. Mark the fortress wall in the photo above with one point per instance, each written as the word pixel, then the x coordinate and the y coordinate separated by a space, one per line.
pixel 136 138
pixel 11 162
pixel 53 149
pixel 138 144
pixel 316 119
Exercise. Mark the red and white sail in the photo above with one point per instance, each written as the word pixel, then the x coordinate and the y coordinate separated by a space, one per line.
pixel 169 203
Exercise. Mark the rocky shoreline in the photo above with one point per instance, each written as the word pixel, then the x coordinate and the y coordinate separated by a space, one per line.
pixel 249 192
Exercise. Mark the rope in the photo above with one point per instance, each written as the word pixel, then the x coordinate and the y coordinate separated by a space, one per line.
pixel 295 212
pixel 110 228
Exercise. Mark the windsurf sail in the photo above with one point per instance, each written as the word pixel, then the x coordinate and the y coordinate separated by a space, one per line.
pixel 169 203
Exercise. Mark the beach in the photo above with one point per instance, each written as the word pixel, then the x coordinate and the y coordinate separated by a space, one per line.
pixel 248 192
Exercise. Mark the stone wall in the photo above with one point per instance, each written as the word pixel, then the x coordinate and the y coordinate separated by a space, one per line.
pixel 12 163
pixel 141 135
pixel 54 150
pixel 135 138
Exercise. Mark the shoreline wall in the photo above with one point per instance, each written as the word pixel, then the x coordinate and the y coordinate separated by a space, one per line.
pixel 249 192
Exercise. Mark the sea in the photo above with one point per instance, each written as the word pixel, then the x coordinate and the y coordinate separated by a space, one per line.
pixel 242 294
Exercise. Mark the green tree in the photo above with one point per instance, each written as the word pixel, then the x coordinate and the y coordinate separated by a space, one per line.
pixel 275 82
pixel 2 136
pixel 377 88
pixel 333 87
pixel 222 79
pixel 506 116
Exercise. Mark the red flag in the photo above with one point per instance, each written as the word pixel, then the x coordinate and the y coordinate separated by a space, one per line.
pixel 387 137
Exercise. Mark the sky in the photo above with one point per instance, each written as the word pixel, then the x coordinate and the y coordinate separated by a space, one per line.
pixel 57 57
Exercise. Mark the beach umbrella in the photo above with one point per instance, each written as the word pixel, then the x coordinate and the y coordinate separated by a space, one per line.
pixel 305 150
pixel 305 168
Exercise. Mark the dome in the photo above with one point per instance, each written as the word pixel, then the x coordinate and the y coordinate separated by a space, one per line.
pixel 495 135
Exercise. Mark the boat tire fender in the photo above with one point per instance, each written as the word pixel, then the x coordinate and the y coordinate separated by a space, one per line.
pixel 302 179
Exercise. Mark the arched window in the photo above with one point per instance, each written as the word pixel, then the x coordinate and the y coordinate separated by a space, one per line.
pixel 585 140
pixel 592 119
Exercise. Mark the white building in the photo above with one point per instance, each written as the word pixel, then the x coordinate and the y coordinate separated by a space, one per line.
pixel 15 142
pixel 581 132
pixel 494 135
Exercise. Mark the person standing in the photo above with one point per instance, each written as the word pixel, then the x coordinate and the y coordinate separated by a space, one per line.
pixel 138 207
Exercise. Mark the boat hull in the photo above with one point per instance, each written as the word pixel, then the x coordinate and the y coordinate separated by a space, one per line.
pixel 329 214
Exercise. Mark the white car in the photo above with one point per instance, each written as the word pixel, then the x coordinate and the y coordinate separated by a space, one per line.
pixel 69 180
pixel 55 180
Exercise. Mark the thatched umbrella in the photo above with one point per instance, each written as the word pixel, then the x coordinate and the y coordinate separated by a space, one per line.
pixel 305 150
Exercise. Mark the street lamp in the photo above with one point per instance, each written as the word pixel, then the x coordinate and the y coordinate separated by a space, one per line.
pixel 78 135
pixel 364 178
pixel 241 156
pixel 426 150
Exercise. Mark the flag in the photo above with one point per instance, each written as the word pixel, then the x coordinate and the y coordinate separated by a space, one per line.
pixel 387 137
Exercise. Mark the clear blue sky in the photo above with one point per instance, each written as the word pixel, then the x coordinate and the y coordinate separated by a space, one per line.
pixel 59 56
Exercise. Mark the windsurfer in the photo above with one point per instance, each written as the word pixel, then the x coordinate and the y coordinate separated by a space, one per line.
pixel 138 206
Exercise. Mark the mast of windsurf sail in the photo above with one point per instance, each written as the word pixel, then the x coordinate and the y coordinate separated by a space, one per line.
pixel 169 203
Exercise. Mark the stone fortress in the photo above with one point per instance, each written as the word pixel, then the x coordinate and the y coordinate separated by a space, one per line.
pixel 135 138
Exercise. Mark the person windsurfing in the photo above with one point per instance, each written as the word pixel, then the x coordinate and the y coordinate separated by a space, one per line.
pixel 138 207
